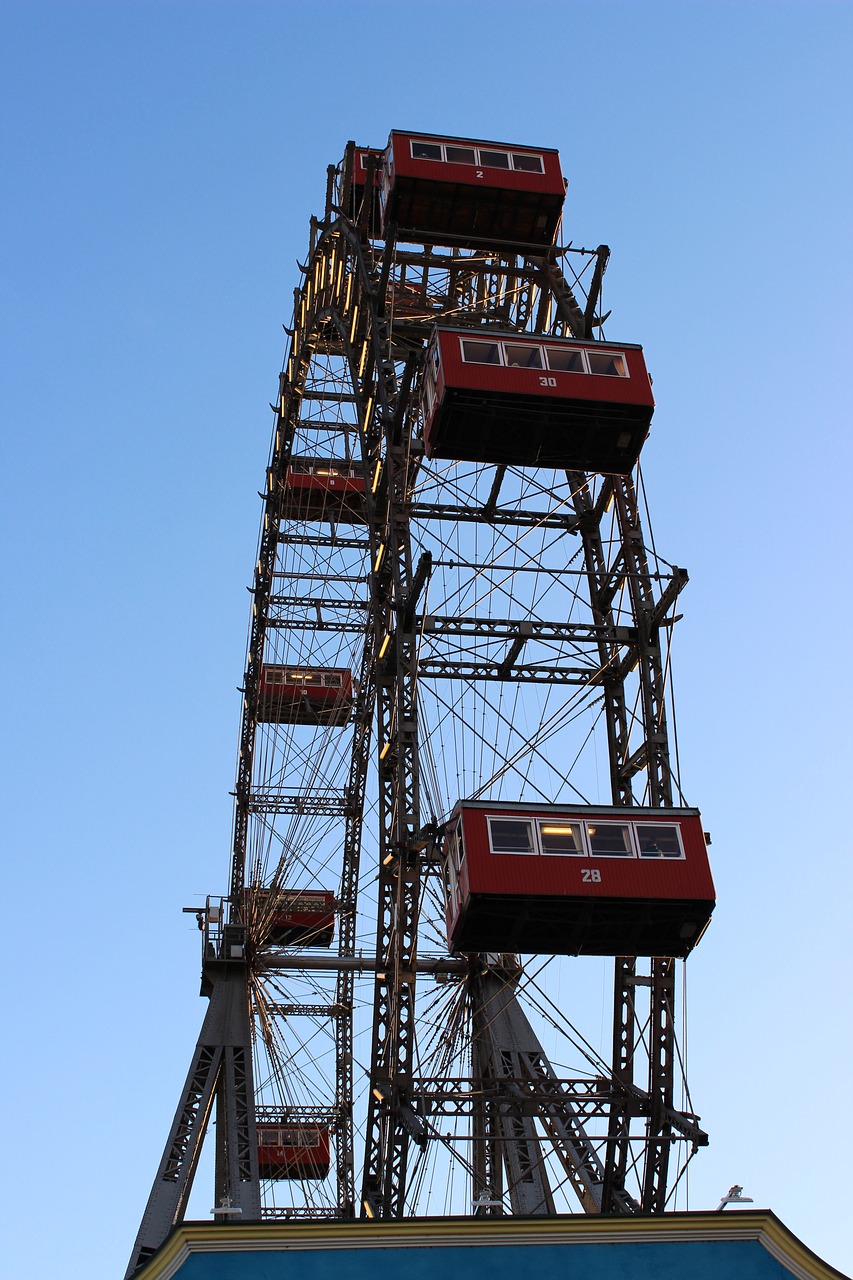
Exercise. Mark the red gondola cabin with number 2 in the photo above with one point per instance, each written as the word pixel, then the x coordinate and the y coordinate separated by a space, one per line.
pixel 576 881
pixel 468 192
pixel 524 400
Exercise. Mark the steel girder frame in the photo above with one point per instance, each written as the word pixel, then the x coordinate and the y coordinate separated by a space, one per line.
pixel 343 287
pixel 334 305
pixel 652 755
pixel 392 1121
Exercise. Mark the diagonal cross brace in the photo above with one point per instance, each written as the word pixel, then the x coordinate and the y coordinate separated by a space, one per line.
pixel 510 1049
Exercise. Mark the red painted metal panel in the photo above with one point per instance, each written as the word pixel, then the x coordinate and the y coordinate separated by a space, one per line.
pixel 550 384
pixel 404 164
pixel 359 181
pixel 360 160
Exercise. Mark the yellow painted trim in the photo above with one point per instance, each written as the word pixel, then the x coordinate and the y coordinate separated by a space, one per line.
pixel 758 1225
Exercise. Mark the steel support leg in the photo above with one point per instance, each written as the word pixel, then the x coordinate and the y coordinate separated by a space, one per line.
pixel 221 1067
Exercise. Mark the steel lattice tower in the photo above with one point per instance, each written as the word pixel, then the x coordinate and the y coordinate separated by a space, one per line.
pixel 508 631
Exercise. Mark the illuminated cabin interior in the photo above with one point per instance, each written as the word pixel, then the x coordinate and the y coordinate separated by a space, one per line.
pixel 324 489
pixel 305 695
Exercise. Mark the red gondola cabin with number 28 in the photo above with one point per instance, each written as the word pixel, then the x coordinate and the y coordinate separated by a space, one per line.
pixel 525 400
pixel 576 881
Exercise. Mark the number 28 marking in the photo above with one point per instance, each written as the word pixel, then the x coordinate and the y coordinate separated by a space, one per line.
pixel 590 876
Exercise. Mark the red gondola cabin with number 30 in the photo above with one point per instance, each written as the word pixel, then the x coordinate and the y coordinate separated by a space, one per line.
pixel 576 881
pixel 524 400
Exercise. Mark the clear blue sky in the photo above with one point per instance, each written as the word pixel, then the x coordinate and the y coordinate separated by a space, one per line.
pixel 160 162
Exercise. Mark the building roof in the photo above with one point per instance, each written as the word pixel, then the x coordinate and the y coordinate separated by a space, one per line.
pixel 743 1245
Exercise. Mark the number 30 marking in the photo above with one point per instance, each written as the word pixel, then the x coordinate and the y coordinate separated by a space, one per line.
pixel 590 876
pixel 547 382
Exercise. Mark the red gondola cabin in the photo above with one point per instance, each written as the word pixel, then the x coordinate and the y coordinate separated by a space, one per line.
pixel 576 881
pixel 293 1150
pixel 324 489
pixel 295 917
pixel 525 400
pixel 465 192
pixel 305 695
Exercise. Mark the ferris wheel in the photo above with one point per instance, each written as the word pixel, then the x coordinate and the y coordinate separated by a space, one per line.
pixel 458 823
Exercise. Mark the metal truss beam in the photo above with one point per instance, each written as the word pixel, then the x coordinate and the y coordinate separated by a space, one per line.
pixel 438 669
pixel 324 806
pixel 319 602
pixel 482 515
pixel 300 1213
pixel 292 1010
pixel 389 1128
pixel 319 1115
pixel 325 542
pixel 347 916
pixel 272 960
pixel 457 1096
pixel 510 628
pixel 293 622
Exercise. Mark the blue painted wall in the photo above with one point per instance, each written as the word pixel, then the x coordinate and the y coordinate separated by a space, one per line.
pixel 660 1260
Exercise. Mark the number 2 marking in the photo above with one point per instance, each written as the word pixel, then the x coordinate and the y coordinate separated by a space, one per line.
pixel 590 876
pixel 547 382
